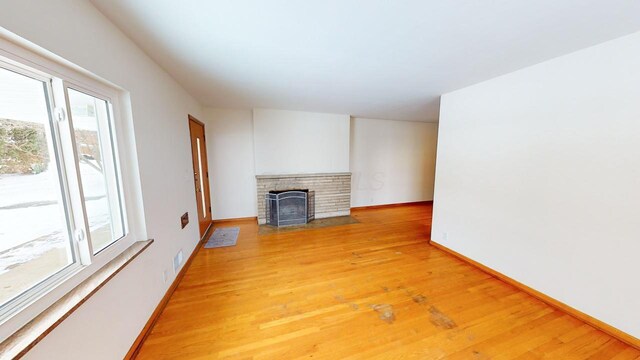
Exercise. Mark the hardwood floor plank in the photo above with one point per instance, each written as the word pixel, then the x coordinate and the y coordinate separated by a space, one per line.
pixel 370 290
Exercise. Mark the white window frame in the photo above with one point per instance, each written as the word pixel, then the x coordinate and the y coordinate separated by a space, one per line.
pixel 110 99
pixel 60 75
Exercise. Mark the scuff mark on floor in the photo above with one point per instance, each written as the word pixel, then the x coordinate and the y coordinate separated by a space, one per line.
pixel 385 312
pixel 419 299
pixel 406 291
pixel 479 355
pixel 284 310
pixel 455 334
pixel 342 300
pixel 439 319
pixel 385 289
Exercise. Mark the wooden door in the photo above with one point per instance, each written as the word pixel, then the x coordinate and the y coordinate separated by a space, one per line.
pixel 200 173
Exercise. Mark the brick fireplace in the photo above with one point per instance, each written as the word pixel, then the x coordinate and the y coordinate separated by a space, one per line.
pixel 332 192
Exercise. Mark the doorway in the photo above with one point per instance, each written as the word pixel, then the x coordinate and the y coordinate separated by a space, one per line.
pixel 200 174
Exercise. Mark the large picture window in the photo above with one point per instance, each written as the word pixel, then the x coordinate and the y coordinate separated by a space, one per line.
pixel 61 195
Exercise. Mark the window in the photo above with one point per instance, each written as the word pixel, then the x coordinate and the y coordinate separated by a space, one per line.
pixel 62 202
pixel 98 171
pixel 35 239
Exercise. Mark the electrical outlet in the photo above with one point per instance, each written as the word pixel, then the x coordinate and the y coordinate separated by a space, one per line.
pixel 177 261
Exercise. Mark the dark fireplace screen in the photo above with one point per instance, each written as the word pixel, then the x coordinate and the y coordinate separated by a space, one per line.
pixel 290 207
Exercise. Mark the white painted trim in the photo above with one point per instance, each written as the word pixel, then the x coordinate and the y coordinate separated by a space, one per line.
pixel 42 63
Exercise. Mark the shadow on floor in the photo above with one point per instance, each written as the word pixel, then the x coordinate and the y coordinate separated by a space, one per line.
pixel 315 224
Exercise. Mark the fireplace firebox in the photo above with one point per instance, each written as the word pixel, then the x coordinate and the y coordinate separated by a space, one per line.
pixel 290 207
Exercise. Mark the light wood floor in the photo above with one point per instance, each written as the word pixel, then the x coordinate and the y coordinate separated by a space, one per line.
pixel 373 290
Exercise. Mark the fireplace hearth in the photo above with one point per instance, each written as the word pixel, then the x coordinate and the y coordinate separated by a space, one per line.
pixel 290 207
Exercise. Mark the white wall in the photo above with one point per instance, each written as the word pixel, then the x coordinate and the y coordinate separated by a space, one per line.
pixel 231 164
pixel 296 142
pixel 107 324
pixel 392 161
pixel 537 177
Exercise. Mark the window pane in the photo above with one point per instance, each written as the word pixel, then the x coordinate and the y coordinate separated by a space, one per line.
pixel 204 207
pixel 34 233
pixel 92 131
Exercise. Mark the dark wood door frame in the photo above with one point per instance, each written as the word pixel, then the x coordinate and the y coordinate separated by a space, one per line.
pixel 200 180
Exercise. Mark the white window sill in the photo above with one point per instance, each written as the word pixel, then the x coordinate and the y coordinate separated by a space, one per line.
pixel 20 342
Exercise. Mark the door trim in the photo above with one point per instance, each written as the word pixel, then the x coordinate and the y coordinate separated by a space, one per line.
pixel 206 231
pixel 191 118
